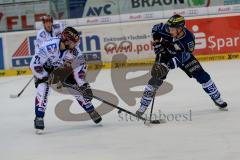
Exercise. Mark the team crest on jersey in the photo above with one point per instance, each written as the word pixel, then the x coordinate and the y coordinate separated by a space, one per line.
pixel 43 34
pixel 191 46
pixel 52 48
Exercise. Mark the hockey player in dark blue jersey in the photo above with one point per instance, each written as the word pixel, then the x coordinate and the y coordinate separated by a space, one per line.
pixel 173 46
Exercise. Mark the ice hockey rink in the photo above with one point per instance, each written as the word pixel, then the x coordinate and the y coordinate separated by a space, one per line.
pixel 210 134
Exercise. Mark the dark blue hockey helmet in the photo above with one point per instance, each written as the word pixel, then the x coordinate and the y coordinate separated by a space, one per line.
pixel 176 21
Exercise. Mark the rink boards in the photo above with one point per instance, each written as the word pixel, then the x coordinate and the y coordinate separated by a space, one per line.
pixel 109 65
pixel 127 44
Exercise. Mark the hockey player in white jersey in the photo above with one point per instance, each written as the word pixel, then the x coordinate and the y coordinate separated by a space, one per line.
pixel 48 31
pixel 56 53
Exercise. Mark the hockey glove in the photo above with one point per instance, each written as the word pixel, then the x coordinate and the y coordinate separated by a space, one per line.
pixel 158 48
pixel 38 81
pixel 86 91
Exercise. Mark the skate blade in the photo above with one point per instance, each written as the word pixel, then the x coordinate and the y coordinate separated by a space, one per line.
pixel 39 131
pixel 223 109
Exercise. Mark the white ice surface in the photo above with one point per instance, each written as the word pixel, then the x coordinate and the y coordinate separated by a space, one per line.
pixel 211 135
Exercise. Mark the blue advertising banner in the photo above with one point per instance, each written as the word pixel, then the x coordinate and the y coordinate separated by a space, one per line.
pixel 90 47
pixel 76 8
pixel 23 55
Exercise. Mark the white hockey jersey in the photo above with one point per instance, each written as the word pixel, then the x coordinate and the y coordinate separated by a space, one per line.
pixel 43 35
pixel 50 56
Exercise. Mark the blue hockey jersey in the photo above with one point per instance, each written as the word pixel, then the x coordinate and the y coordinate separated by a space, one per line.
pixel 181 48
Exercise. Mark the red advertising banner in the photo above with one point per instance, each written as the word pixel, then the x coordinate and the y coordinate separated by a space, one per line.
pixel 216 35
pixel 22 16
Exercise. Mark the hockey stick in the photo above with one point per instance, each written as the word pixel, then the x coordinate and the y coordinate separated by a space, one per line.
pixel 152 105
pixel 146 121
pixel 161 120
pixel 19 94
